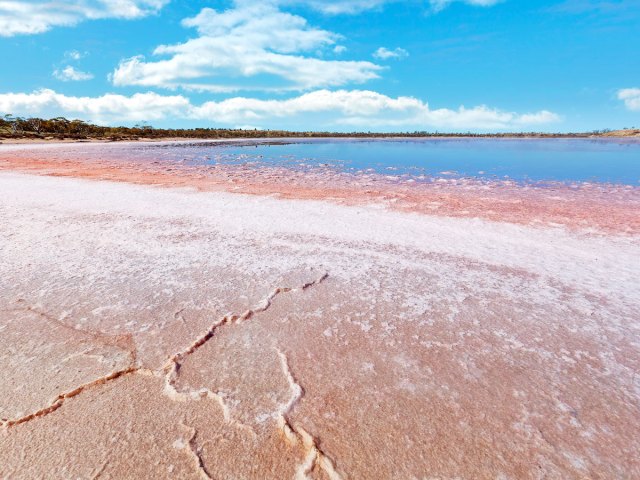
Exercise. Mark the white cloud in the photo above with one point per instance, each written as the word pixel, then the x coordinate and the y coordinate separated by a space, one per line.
pixel 335 7
pixel 73 55
pixel 107 108
pixel 384 53
pixel 69 73
pixel 250 40
pixel 365 109
pixel 247 127
pixel 338 49
pixel 438 5
pixel 321 109
pixel 255 45
pixel 630 97
pixel 26 17
pixel 37 16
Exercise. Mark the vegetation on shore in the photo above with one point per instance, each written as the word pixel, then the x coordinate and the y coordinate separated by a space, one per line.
pixel 61 128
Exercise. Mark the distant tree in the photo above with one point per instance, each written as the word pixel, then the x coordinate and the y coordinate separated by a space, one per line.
pixel 35 124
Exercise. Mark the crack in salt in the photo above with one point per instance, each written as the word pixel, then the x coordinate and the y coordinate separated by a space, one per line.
pixel 173 365
pixel 124 342
pixel 315 456
pixel 61 398
pixel 172 370
pixel 266 302
pixel 296 389
pixel 196 455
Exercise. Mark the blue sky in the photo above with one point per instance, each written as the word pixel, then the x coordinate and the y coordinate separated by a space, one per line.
pixel 343 65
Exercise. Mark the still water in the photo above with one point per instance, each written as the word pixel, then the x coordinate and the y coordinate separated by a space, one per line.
pixel 526 160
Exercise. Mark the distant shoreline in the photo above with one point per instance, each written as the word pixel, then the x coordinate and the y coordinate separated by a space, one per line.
pixel 29 130
pixel 293 136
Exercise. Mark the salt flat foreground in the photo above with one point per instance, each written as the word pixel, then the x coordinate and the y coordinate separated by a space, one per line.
pixel 151 332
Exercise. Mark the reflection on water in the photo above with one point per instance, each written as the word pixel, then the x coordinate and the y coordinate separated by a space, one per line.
pixel 531 161
pixel 564 160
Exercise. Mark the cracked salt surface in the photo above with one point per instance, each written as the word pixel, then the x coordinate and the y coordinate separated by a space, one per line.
pixel 135 319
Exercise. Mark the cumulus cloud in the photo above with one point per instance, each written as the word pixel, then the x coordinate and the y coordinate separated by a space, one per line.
pixel 37 16
pixel 71 74
pixel 384 53
pixel 321 109
pixel 247 41
pixel 630 97
pixel 365 109
pixel 107 108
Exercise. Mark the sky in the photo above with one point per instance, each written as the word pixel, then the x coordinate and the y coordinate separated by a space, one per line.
pixel 338 65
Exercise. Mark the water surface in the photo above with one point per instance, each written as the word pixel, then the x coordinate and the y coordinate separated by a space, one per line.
pixel 532 160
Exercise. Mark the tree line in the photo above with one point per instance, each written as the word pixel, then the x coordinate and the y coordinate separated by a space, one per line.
pixel 61 128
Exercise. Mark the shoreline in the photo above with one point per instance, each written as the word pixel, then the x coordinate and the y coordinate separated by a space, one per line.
pixel 614 135
pixel 593 208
